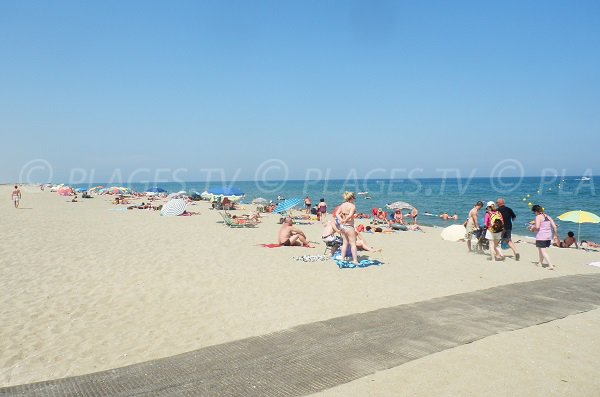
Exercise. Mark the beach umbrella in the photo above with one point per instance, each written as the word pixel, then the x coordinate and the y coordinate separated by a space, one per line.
pixel 225 191
pixel 579 217
pixel 65 191
pixel 81 189
pixel 260 201
pixel 399 205
pixel 453 233
pixel 156 190
pixel 285 205
pixel 173 207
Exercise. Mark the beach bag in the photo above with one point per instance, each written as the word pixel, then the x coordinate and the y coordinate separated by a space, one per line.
pixel 496 222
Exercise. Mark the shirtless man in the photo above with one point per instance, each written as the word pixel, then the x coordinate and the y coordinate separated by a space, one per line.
pixel 289 235
pixel 413 214
pixel 16 196
pixel 472 223
pixel 329 235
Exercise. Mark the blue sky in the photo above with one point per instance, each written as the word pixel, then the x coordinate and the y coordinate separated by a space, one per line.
pixel 97 88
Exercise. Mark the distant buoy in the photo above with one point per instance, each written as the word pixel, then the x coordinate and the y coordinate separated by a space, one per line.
pixel 529 204
pixel 538 192
pixel 528 195
pixel 524 198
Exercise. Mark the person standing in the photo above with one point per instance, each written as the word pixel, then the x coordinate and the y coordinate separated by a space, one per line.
pixel 345 219
pixel 508 215
pixel 543 227
pixel 322 210
pixel 16 196
pixel 472 223
pixel 494 223
pixel 307 204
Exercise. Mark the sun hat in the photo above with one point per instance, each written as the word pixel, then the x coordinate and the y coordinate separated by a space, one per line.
pixel 490 204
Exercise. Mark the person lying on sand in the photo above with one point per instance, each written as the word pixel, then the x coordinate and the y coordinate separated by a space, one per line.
pixel 590 244
pixel 567 242
pixel 290 235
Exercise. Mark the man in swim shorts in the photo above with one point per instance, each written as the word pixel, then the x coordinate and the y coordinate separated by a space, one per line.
pixel 290 235
pixel 16 196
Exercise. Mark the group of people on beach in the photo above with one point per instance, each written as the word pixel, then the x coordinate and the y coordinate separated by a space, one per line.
pixel 497 230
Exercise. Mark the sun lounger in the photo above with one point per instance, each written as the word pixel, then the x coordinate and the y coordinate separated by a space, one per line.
pixel 237 222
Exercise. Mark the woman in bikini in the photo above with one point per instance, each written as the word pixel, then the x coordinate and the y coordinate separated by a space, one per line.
pixel 345 218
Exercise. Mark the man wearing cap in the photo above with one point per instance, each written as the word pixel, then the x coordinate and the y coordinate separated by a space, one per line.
pixel 472 223
pixel 508 215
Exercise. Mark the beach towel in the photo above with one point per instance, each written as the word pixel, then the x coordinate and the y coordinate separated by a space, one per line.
pixel 279 245
pixel 311 258
pixel 363 263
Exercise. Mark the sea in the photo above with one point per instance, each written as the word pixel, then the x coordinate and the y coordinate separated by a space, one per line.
pixel 434 196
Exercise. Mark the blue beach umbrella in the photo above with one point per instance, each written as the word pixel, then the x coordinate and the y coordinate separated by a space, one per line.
pixel 287 204
pixel 226 191
pixel 157 190
pixel 81 189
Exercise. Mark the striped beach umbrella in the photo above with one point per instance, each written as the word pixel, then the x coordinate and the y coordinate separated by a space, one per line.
pixel 286 205
pixel 173 207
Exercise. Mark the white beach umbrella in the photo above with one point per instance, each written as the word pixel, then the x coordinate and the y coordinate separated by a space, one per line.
pixel 399 205
pixel 454 233
pixel 173 207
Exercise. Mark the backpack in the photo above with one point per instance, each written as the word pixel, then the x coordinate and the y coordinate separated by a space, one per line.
pixel 496 222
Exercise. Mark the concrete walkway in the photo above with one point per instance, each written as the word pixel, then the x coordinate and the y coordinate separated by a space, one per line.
pixel 314 357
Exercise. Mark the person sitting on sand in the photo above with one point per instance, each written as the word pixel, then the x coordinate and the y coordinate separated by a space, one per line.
pixel 74 200
pixel 361 244
pixel 329 235
pixel 397 218
pixel 289 235
pixel 567 242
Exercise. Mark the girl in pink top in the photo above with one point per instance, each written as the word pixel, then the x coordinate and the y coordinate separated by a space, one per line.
pixel 544 226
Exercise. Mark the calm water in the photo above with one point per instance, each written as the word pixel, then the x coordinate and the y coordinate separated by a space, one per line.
pixel 433 195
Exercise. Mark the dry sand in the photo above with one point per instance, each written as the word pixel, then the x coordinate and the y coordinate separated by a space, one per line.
pixel 86 287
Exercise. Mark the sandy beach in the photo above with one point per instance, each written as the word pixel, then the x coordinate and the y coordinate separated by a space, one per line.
pixel 90 286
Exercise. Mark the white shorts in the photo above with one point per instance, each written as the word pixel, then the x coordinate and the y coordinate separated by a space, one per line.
pixel 493 236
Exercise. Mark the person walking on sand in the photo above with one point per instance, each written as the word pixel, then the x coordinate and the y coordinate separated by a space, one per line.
pixel 345 222
pixel 543 228
pixel 16 196
pixel 494 223
pixel 472 223
pixel 508 215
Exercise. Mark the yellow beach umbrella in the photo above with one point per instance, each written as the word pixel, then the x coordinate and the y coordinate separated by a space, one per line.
pixel 579 217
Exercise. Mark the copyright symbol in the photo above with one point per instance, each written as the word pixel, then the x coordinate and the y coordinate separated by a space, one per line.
pixel 502 183
pixel 271 175
pixel 36 171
